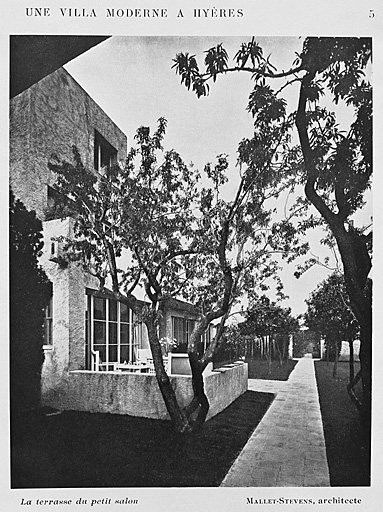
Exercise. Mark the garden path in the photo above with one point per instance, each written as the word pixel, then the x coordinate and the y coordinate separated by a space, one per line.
pixel 287 449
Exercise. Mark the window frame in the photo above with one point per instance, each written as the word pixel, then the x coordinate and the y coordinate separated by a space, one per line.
pixel 48 324
pixel 133 341
pixel 103 150
pixel 188 325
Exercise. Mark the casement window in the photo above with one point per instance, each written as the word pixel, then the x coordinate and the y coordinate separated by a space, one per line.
pixel 181 332
pixel 206 338
pixel 182 329
pixel 48 323
pixel 111 335
pixel 105 155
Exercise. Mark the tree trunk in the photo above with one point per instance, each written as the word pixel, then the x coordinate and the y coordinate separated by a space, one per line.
pixel 359 289
pixel 199 391
pixel 269 351
pixel 351 360
pixel 197 365
pixel 177 415
pixel 352 246
pixel 365 368
pixel 335 369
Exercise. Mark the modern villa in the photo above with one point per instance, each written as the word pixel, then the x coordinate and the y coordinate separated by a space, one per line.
pixel 97 355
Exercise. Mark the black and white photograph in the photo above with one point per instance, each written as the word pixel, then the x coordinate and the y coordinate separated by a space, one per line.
pixel 190 264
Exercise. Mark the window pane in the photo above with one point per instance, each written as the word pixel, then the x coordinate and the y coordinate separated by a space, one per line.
pixel 102 350
pixel 179 329
pixel 124 313
pixel 190 327
pixel 113 353
pixel 112 310
pixel 99 332
pixel 48 331
pixel 99 308
pixel 48 311
pixel 124 333
pixel 112 333
pixel 124 353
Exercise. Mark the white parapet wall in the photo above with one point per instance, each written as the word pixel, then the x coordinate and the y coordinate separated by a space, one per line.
pixel 138 394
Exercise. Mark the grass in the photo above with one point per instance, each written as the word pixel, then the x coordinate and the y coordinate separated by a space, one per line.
pixel 347 443
pixel 260 369
pixel 76 449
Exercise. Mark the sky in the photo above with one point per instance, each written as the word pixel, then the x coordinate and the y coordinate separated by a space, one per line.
pixel 132 79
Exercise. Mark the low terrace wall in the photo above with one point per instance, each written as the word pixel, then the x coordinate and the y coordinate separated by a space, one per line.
pixel 137 394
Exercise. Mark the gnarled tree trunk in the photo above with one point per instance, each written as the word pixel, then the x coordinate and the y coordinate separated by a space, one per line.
pixel 352 247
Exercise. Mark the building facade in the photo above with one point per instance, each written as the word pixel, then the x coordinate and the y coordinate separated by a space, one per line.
pixel 84 329
pixel 46 120
pixel 88 334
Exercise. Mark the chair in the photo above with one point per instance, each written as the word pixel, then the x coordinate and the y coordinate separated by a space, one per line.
pixel 150 362
pixel 98 365
pixel 143 354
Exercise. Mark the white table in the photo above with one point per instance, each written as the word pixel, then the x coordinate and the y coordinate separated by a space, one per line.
pixel 132 368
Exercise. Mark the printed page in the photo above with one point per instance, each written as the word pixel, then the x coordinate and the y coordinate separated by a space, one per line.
pixel 214 95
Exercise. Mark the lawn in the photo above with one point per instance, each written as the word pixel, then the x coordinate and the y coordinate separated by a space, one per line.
pixel 78 449
pixel 75 449
pixel 260 369
pixel 347 443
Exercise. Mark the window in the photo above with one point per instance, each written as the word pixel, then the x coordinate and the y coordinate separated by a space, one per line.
pixel 206 338
pixel 105 155
pixel 182 329
pixel 48 321
pixel 111 337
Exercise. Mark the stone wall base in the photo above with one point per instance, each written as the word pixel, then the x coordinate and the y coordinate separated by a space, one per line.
pixel 138 394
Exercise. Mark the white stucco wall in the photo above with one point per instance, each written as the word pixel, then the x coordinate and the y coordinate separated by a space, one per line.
pixel 67 351
pixel 138 394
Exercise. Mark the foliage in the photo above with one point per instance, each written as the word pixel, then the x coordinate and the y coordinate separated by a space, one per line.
pixel 29 294
pixel 184 240
pixel 265 317
pixel 329 312
pixel 332 162
pixel 335 66
pixel 306 341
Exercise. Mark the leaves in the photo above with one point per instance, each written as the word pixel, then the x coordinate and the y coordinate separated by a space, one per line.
pixel 264 106
pixel 264 317
pixel 186 66
pixel 216 61
pixel 329 311
pixel 250 50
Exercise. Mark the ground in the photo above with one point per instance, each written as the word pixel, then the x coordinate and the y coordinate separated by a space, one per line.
pixel 274 371
pixel 347 443
pixel 75 449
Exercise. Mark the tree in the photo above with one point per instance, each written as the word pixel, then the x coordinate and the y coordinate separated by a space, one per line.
pixel 29 295
pixel 266 318
pixel 329 313
pixel 334 166
pixel 183 239
pixel 306 341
